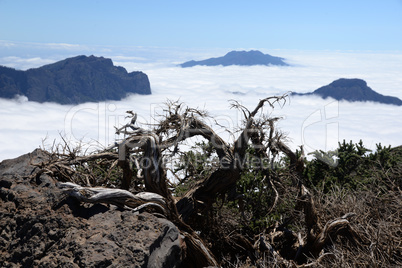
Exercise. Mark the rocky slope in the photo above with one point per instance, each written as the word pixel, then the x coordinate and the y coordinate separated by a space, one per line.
pixel 246 58
pixel 41 227
pixel 352 90
pixel 73 80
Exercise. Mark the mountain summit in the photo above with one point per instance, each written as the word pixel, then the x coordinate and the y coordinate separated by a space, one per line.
pixel 352 90
pixel 73 80
pixel 245 58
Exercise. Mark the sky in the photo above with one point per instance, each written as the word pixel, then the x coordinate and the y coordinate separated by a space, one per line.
pixel 334 25
pixel 322 40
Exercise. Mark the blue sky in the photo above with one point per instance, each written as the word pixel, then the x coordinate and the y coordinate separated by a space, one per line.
pixel 312 25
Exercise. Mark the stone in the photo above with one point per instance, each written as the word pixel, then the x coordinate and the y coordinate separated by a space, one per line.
pixel 41 227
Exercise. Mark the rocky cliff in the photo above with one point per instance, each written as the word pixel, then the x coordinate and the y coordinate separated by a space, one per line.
pixel 41 227
pixel 245 58
pixel 73 80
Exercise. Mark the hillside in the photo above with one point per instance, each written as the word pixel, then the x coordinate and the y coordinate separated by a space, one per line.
pixel 352 90
pixel 245 58
pixel 73 80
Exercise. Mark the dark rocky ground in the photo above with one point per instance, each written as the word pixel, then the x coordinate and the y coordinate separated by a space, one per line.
pixel 41 227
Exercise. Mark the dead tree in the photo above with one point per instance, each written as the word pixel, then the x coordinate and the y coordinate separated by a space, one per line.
pixel 189 123
pixel 141 155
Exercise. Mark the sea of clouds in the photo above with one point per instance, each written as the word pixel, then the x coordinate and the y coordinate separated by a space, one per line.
pixel 315 123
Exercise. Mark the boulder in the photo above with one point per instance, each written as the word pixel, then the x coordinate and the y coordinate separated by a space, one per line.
pixel 42 227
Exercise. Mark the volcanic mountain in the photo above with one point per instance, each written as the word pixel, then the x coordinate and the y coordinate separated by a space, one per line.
pixel 245 58
pixel 352 90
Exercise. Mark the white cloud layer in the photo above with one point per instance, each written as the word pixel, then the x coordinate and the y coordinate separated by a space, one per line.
pixel 308 121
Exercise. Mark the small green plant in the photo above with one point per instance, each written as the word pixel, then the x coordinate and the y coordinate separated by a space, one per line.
pixel 194 165
pixel 353 166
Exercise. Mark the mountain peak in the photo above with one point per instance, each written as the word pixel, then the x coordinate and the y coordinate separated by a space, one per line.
pixel 342 82
pixel 244 58
pixel 79 60
pixel 352 89
pixel 243 52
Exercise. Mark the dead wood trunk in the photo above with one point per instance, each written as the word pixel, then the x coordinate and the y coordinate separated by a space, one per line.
pixel 318 237
pixel 127 174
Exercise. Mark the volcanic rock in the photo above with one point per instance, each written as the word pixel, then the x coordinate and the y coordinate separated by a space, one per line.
pixel 42 227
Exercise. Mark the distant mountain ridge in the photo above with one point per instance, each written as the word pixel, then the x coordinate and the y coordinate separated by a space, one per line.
pixel 352 90
pixel 72 81
pixel 244 58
